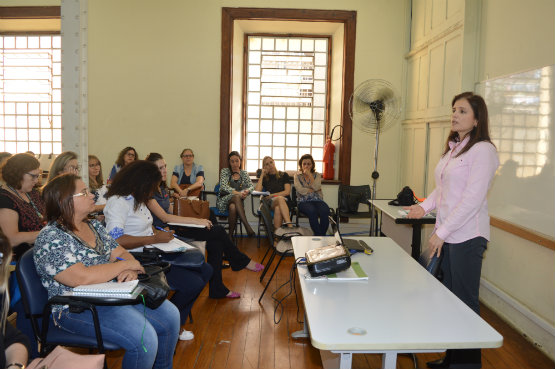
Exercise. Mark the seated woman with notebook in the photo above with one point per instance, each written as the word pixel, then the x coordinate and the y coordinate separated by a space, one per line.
pixel 218 243
pixel 129 221
pixel 72 251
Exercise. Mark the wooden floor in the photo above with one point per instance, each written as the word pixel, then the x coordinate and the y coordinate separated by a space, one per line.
pixel 241 333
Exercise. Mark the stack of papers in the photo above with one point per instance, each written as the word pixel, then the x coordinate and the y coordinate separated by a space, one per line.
pixel 354 273
pixel 190 225
pixel 108 289
pixel 175 245
pixel 260 193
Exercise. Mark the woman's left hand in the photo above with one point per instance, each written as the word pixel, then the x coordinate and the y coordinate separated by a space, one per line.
pixel 204 222
pixel 436 244
pixel 127 275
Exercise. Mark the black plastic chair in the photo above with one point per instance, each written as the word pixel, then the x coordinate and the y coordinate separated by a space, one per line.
pixel 348 200
pixel 38 309
pixel 221 217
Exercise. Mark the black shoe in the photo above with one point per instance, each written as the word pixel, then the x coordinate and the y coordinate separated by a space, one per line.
pixel 438 364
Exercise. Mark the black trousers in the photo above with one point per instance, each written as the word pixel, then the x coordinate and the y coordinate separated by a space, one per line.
pixel 218 245
pixel 462 267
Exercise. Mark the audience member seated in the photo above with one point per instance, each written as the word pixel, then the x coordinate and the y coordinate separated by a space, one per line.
pixel 187 178
pixel 218 244
pixel 129 221
pixel 96 183
pixel 72 251
pixel 21 218
pixel 125 156
pixel 14 345
pixel 66 162
pixel 235 186
pixel 279 186
pixel 310 200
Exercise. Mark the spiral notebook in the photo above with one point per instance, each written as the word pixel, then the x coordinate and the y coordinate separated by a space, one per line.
pixel 108 289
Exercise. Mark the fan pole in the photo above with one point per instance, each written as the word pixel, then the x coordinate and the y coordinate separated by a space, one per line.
pixel 375 176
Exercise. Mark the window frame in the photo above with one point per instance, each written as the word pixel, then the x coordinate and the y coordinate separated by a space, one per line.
pixel 348 18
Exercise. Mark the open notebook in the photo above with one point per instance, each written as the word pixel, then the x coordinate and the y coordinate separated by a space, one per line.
pixel 108 289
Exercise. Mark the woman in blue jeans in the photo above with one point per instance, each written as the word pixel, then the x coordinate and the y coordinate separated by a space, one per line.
pixel 72 251
pixel 308 184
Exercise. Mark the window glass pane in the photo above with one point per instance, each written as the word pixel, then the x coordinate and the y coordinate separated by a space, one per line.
pixel 318 140
pixel 321 45
pixel 9 120
pixel 291 153
pixel 254 57
pixel 45 42
pixel 22 135
pixel 34 147
pixel 252 139
pixel 9 108
pixel 292 113
pixel 252 112
pixel 34 135
pixel 281 44
pixel 320 73
pixel 254 84
pixel 21 42
pixel 254 98
pixel 254 43
pixel 9 43
pixel 307 45
pixel 278 153
pixel 294 44
pixel 268 44
pixel 318 114
pixel 292 140
pixel 279 126
pixel 252 125
pixel 318 127
pixel 280 165
pixel 254 71
pixel 46 135
pixel 57 135
pixel 305 140
pixel 266 112
pixel 306 113
pixel 319 86
pixel 10 134
pixel 321 59
pixel 291 165
pixel 56 148
pixel 279 112
pixel 319 100
pixel 21 121
pixel 252 152
pixel 318 166
pixel 318 153
pixel 22 146
pixel 33 43
pixel 57 122
pixel 279 139
pixel 265 151
pixel 10 147
pixel 292 126
pixel 266 126
pixel 266 139
pixel 306 126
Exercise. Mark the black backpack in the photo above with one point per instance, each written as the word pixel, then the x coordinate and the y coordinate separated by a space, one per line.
pixel 404 198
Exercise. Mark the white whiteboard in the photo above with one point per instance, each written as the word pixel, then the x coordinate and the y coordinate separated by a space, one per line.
pixel 521 112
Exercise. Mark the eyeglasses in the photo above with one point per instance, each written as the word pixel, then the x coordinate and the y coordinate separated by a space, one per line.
pixel 33 176
pixel 85 192
pixel 94 165
pixel 73 168
pixel 187 156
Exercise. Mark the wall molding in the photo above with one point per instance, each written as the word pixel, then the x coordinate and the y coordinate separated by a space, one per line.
pixel 435 38
pixel 531 326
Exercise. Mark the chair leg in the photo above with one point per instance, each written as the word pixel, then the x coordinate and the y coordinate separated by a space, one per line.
pixel 259 225
pixel 267 267
pixel 271 277
pixel 265 254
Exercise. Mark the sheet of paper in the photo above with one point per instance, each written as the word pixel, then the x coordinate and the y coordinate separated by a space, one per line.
pixel 175 245
pixel 190 225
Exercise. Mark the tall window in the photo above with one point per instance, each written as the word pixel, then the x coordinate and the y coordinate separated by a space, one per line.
pixel 30 94
pixel 286 113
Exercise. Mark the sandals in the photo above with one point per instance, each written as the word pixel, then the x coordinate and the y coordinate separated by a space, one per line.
pixel 257 268
pixel 233 295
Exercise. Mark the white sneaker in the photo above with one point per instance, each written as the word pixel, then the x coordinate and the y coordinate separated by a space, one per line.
pixel 186 335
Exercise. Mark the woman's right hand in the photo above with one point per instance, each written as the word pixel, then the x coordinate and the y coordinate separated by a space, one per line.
pixel 132 265
pixel 415 211
pixel 163 237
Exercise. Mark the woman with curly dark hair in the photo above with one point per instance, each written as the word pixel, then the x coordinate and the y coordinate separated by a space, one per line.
pixel 129 222
pixel 125 156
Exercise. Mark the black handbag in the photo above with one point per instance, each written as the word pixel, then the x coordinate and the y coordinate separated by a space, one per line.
pixel 154 283
pixel 404 198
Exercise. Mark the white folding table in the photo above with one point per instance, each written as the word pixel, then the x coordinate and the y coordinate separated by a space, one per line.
pixel 400 309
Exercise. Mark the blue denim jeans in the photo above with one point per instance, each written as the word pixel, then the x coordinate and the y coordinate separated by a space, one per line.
pixel 124 325
pixel 314 210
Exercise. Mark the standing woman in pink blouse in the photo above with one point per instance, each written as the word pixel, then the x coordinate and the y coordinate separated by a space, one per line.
pixel 463 177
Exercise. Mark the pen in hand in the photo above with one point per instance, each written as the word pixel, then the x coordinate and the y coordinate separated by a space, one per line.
pixel 120 259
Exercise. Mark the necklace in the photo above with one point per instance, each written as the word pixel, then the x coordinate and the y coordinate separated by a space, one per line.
pixel 29 198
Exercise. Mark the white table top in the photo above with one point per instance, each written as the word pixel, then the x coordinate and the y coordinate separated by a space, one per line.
pixel 401 306
pixel 396 213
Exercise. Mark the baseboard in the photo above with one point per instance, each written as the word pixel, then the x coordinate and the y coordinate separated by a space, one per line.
pixel 532 327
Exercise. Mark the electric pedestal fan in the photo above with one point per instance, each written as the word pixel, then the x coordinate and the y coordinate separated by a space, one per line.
pixel 375 106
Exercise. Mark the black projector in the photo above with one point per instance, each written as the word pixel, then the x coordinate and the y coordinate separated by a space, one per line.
pixel 327 260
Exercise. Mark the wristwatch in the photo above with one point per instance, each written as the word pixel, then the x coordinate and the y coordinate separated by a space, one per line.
pixel 18 365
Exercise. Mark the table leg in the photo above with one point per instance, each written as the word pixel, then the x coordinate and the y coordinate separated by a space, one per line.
pixel 416 240
pixel 302 333
pixel 389 360
pixel 336 360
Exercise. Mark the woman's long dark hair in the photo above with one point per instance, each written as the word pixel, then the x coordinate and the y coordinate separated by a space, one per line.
pixel 234 153
pixel 478 133
pixel 154 157
pixel 139 179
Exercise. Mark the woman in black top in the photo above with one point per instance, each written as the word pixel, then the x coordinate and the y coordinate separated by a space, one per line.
pixel 14 345
pixel 279 186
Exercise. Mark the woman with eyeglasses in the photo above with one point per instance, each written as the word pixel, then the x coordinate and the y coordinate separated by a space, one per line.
pixel 65 162
pixel 125 156
pixel 96 183
pixel 218 243
pixel 187 177
pixel 71 251
pixel 14 345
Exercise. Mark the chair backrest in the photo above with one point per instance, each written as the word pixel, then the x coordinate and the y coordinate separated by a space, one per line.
pixel 33 293
pixel 293 196
pixel 348 197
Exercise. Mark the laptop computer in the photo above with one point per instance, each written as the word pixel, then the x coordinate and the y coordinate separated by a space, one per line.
pixel 356 245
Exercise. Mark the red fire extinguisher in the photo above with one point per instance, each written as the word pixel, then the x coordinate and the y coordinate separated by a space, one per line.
pixel 329 150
